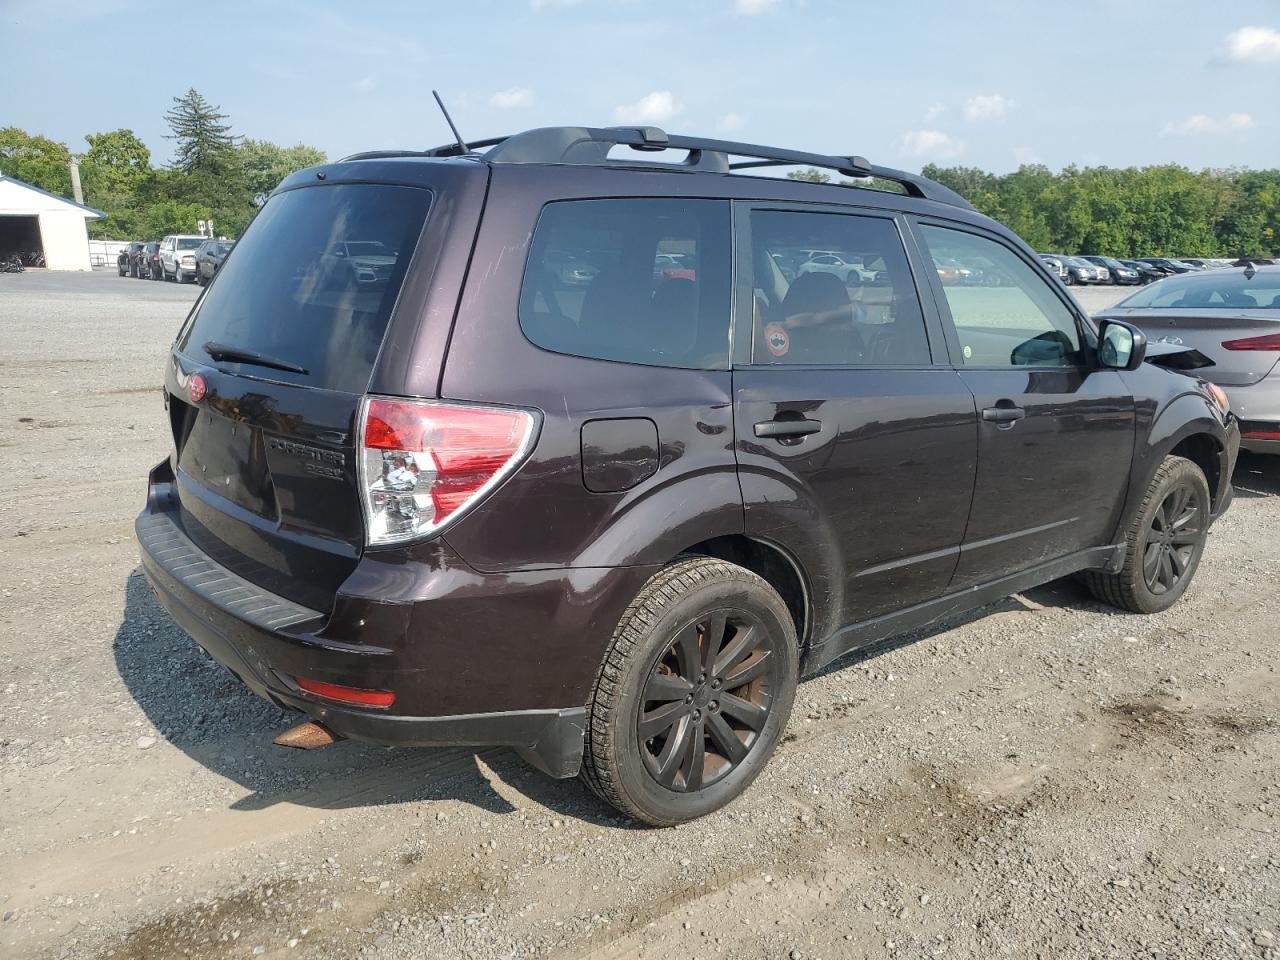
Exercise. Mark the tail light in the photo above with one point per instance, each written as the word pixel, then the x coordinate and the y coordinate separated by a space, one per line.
pixel 424 463
pixel 1269 342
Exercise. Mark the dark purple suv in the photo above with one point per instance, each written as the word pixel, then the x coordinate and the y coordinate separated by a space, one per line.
pixel 595 457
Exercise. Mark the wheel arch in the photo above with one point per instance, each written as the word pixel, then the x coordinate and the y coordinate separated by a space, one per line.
pixel 774 565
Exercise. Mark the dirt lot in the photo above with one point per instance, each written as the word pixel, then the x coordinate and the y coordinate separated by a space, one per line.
pixel 1046 778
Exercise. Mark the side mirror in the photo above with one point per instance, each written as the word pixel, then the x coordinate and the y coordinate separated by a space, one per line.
pixel 1121 346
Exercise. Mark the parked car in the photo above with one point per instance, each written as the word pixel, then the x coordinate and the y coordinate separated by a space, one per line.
pixel 1197 263
pixel 1168 264
pixel 1232 318
pixel 209 257
pixel 848 270
pixel 149 265
pixel 126 260
pixel 1055 265
pixel 1080 270
pixel 1146 272
pixel 476 506
pixel 1117 272
pixel 178 256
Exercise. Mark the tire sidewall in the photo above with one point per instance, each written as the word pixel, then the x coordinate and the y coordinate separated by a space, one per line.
pixel 634 778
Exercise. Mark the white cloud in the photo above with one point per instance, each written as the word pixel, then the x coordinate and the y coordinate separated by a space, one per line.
pixel 514 97
pixel 934 112
pixel 365 85
pixel 753 8
pixel 1203 123
pixel 656 107
pixel 933 144
pixel 1025 155
pixel 731 122
pixel 988 107
pixel 550 4
pixel 1254 44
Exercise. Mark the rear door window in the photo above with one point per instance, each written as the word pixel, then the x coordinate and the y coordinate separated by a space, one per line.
pixel 858 307
pixel 634 280
pixel 313 285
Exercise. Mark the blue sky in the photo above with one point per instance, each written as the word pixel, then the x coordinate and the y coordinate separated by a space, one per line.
pixel 989 84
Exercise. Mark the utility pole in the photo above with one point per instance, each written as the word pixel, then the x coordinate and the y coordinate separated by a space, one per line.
pixel 75 181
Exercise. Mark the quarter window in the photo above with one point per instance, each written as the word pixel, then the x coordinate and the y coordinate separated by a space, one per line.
pixel 1004 312
pixel 854 306
pixel 636 280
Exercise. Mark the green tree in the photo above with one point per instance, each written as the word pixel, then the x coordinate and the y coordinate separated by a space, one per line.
pixel 202 138
pixel 116 162
pixel 39 161
pixel 172 216
pixel 266 164
pixel 809 174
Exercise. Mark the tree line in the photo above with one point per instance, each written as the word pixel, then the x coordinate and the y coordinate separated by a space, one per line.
pixel 1156 211
pixel 214 175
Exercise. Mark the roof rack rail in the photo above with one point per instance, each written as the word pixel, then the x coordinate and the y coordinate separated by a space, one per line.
pixel 591 145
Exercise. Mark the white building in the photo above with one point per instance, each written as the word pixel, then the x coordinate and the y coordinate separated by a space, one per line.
pixel 36 221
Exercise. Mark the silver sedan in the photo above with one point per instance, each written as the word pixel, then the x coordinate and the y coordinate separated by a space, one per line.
pixel 1232 317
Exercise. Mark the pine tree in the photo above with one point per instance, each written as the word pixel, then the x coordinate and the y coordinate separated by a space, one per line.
pixel 203 139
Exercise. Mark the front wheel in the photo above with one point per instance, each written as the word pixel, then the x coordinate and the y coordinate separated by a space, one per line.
pixel 694 692
pixel 1163 542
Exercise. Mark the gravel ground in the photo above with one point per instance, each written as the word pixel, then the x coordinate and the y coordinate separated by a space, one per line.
pixel 1045 778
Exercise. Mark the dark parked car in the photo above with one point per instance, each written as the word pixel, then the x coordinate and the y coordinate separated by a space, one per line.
pixel 480 504
pixel 1147 272
pixel 1232 318
pixel 127 260
pixel 1168 264
pixel 1117 272
pixel 149 265
pixel 1080 270
pixel 209 257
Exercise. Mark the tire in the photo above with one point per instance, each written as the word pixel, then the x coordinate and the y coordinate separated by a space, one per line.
pixel 179 275
pixel 1071 280
pixel 1164 541
pixel 120 269
pixel 700 754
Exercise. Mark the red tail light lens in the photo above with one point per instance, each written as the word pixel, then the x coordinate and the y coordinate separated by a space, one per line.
pixel 1269 342
pixel 356 695
pixel 424 463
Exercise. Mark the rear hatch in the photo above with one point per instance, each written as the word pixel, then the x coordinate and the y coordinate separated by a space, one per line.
pixel 268 373
pixel 1244 346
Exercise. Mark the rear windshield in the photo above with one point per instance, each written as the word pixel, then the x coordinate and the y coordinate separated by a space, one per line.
pixel 313 283
pixel 1220 290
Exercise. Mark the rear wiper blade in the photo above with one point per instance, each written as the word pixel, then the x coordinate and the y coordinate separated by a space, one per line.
pixel 221 351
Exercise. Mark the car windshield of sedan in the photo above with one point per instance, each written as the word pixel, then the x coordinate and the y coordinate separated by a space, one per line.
pixel 1214 291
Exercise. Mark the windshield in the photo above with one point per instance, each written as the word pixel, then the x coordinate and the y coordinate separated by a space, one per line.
pixel 189 243
pixel 1225 290
pixel 294 293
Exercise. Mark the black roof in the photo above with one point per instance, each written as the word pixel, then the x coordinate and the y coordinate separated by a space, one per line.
pixel 591 145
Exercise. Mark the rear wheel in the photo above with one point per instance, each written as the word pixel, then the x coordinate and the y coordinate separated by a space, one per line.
pixel 1164 542
pixel 694 693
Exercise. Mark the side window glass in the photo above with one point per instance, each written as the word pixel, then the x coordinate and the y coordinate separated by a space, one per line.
pixel 635 280
pixel 831 288
pixel 1005 313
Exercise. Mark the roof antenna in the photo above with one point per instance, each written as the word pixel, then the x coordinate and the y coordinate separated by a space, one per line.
pixel 462 145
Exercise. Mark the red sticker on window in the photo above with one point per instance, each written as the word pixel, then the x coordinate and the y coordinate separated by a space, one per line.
pixel 777 340
pixel 196 388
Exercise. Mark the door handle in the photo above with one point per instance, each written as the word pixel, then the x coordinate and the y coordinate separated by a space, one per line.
pixel 1003 414
pixel 787 428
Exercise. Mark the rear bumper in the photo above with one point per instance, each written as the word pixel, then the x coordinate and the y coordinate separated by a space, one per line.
pixel 267 640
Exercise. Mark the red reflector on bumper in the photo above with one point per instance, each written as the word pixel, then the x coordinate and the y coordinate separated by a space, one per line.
pixel 1261 435
pixel 333 691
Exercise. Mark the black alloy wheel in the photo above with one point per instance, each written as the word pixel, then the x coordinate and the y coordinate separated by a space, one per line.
pixel 708 696
pixel 1173 538
pixel 693 694
pixel 1163 542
